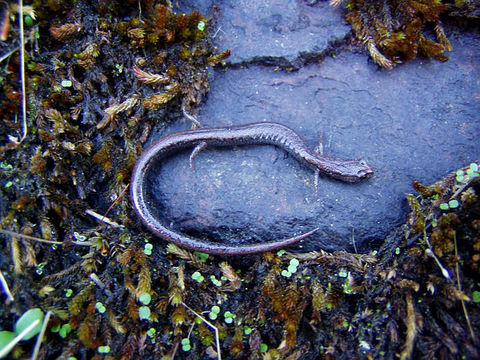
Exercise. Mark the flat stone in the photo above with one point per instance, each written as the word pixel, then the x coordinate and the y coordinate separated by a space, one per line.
pixel 278 32
pixel 419 121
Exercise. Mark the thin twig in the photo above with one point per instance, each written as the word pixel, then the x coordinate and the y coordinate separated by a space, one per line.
pixel 216 32
pixel 430 252
pixel 100 284
pixel 102 218
pixel 28 237
pixel 8 54
pixel 217 338
pixel 40 336
pixel 22 71
pixel 118 198
pixel 5 287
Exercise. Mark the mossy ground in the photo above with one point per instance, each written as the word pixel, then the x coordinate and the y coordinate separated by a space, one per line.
pixel 100 78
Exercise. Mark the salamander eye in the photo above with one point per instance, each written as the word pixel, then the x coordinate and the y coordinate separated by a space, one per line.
pixel 363 163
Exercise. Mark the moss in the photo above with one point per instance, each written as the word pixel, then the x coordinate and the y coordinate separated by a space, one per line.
pixel 393 31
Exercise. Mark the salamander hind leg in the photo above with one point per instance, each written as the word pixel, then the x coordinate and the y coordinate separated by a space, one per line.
pixel 319 148
pixel 195 152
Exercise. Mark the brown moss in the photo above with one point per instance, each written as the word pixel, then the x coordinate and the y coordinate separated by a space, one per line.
pixel 393 30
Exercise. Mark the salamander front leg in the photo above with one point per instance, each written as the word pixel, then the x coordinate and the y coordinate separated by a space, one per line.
pixel 195 152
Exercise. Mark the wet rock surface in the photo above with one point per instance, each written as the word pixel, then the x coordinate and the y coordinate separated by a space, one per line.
pixel 419 121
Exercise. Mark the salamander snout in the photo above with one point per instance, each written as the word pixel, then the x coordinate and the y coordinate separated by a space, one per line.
pixel 364 171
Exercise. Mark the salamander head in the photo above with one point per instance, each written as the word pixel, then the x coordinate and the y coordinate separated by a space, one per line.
pixel 349 170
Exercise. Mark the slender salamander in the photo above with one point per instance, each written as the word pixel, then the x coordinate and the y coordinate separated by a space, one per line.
pixel 256 133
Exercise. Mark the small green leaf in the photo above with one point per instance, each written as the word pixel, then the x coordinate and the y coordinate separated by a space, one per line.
pixel 66 83
pixel 145 298
pixel 201 25
pixel 292 269
pixel 203 256
pixel 197 276
pixel 186 344
pixel 100 307
pixel 103 349
pixel 215 309
pixel 286 273
pixel 6 337
pixel 263 348
pixel 294 262
pixel 476 297
pixel 65 330
pixel 28 318
pixel 453 204
pixel 229 317
pixel 144 312
pixel 27 19
pixel 444 206
pixel 214 280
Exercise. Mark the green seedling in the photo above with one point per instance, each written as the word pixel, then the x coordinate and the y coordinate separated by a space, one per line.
pixel 103 349
pixel 100 307
pixel 198 277
pixel 213 314
pixel 342 273
pixel 62 331
pixel 452 204
pixel 229 317
pixel 147 250
pixel 292 268
pixel 215 281
pixel 202 256
pixel 186 344
pixel 471 172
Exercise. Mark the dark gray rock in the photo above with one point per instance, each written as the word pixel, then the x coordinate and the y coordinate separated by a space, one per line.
pixel 419 121
pixel 278 32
